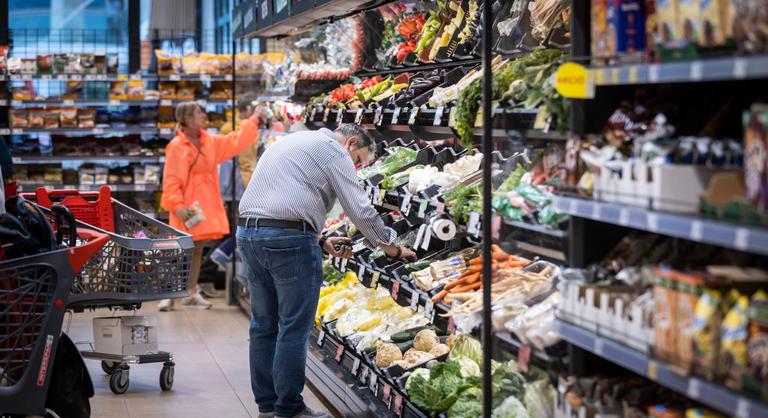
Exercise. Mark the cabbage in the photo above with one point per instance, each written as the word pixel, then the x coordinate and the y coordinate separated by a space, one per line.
pixel 466 346
pixel 418 372
pixel 540 399
pixel 510 408
pixel 468 405
pixel 468 367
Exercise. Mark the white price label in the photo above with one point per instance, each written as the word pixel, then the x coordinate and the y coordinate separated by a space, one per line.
pixel 623 217
pixel 326 112
pixel 652 221
pixel 405 207
pixel 739 68
pixel 227 77
pixel 98 131
pixel 377 117
pixel 382 195
pixel 373 383
pixel 429 308
pixel 396 115
pixel 413 115
pixel 15 102
pixel 321 338
pixel 375 198
pixel 69 102
pixel 135 77
pixel 166 103
pixel 165 131
pixel 59 77
pixel 205 77
pixel 438 116
pixel 427 237
pixel 339 117
pixel 473 227
pixel 359 116
pixel 344 262
pixel 202 102
pixel 599 348
pixel 45 77
pixel 653 73
pixel 419 235
pixel 696 71
pixel 114 102
pixel 693 390
pixel 364 375
pixel 355 366
pixel 415 300
pixel 375 279
pixel 696 231
pixel 140 187
pixel 17 131
pixel 596 212
pixel 174 77
pixel 16 160
pixel 743 408
pixel 360 272
pixel 312 114
pixel 76 77
pixel 741 240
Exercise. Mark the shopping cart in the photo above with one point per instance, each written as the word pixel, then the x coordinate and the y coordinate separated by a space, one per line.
pixel 33 295
pixel 144 260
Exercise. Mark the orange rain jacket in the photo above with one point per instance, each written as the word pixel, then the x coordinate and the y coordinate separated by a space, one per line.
pixel 189 177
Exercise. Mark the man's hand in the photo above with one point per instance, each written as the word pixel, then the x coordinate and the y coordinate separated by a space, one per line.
pixel 182 213
pixel 339 247
pixel 400 253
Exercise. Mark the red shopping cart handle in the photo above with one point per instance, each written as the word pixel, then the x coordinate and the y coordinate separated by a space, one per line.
pixel 80 255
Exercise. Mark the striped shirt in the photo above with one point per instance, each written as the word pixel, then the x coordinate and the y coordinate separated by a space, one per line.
pixel 299 178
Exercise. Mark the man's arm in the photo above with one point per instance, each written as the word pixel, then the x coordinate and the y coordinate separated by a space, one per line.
pixel 342 177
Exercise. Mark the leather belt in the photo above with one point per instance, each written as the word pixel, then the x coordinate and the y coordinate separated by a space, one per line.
pixel 275 223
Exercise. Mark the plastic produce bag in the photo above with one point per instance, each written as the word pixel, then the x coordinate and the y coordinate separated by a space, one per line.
pixel 540 399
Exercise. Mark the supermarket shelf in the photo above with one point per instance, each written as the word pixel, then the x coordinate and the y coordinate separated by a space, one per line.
pixel 52 159
pixel 208 77
pixel 75 77
pixel 201 102
pixel 92 131
pixel 26 187
pixel 714 69
pixel 419 68
pixel 706 392
pixel 748 238
pixel 84 102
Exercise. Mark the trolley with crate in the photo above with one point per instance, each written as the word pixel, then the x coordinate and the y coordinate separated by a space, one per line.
pixel 34 290
pixel 143 260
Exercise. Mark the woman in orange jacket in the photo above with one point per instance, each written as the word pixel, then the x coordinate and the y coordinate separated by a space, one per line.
pixel 191 181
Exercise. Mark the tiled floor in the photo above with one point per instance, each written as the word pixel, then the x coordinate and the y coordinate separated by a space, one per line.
pixel 210 348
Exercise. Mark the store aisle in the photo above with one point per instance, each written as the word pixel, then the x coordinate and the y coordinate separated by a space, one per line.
pixel 210 349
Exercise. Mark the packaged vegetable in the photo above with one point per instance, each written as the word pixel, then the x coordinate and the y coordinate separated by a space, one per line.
pixel 539 399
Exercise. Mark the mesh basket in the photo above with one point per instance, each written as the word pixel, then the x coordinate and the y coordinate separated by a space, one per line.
pixel 143 260
pixel 32 294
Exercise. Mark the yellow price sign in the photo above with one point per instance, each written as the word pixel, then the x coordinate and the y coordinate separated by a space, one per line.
pixel 574 81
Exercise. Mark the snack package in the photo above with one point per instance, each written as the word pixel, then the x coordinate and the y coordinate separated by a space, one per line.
pixel 665 306
pixel 51 119
pixel 14 65
pixel 689 288
pixel 4 58
pixel 28 66
pixel 88 63
pixel 36 118
pixel 167 90
pixel 86 118
pixel 733 340
pixel 44 64
pixel 191 64
pixel 706 333
pixel 68 117
pixel 21 93
pixel 185 91
pixel 716 21
pixel 73 91
pixel 151 95
pixel 667 15
pixel 600 48
pixel 117 90
pixel 195 215
pixel 19 118
pixel 225 64
pixel 755 161
pixel 756 382
pixel 625 27
pixel 135 90
pixel 165 63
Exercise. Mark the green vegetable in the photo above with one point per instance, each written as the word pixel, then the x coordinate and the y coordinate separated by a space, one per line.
pixel 539 398
pixel 514 179
pixel 441 390
pixel 469 368
pixel 464 200
pixel 507 382
pixel 468 405
pixel 512 408
pixel 399 157
pixel 394 180
pixel 331 275
pixel 423 372
pixel 409 334
pixel 466 346
pixel 405 346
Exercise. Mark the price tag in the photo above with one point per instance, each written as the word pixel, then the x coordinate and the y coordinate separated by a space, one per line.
pixel 741 240
pixel 623 217
pixel 415 300
pixel 17 131
pixel 397 406
pixel 382 195
pixel 696 228
pixel 429 308
pixel 166 102
pixel 135 77
pixel 312 114
pixel 419 235
pixel 375 197
pixel 696 74
pixel 653 222
pixel 739 68
pixel 98 131
pixel 743 407
pixel 325 114
pixel 377 116
pixel 373 383
pixel 395 291
pixel 496 226
pixel 440 207
pixel 16 160
pixel 396 115
pixel 599 76
pixel 359 116
pixel 693 390
pixel 524 357
pixel 339 117
pixel 205 77
pixel 615 76
pixel 114 102
pixel 596 212
pixel 355 366
pixel 69 102
pixel 16 102
pixel 599 347
pixel 573 208
pixel 227 77
pixel 386 394
pixel 174 77
pixel 653 73
pixel 202 102
pixel 473 227
pixel 651 372
pixel 339 353
pixel 343 267
pixel 451 325
pixel 165 131
pixel 58 77
pixel 360 272
pixel 423 208
pixel 140 187
pixel 452 118
pixel 363 376
pixel 412 117
pixel 76 77
pixel 375 279
pixel 632 76
pixel 405 207
pixel 438 116
pixel 427 237
pixel 321 338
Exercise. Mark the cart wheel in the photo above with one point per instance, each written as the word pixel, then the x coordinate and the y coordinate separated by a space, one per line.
pixel 166 378
pixel 118 381
pixel 109 367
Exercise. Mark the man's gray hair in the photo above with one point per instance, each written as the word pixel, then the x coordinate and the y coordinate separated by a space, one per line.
pixel 364 139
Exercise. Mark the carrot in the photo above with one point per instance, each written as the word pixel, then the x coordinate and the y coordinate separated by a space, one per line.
pixel 473 269
pixel 477 261
pixel 467 288
pixel 495 248
pixel 500 256
pixel 439 296
pixel 454 283
pixel 513 264
pixel 472 278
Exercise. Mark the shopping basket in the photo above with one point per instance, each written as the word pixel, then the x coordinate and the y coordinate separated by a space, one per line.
pixel 33 295
pixel 144 259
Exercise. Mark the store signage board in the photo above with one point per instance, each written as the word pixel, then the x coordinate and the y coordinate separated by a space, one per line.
pixel 574 81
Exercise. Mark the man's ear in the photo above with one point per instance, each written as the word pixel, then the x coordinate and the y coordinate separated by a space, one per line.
pixel 352 141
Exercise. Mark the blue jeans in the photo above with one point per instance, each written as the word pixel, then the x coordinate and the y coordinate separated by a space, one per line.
pixel 285 277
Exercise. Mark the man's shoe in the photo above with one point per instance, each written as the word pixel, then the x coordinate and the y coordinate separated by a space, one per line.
pixel 310 413
pixel 197 300
pixel 165 305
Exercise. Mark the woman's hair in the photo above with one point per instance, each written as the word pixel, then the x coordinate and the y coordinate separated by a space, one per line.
pixel 185 110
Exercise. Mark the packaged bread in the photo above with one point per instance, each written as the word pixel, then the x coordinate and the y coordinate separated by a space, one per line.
pixel 185 92
pixel 19 118
pixel 68 117
pixel 225 64
pixel 165 117
pixel 51 119
pixel 167 90
pixel 36 118
pixel 117 90
pixel 86 118
pixel 21 93
pixel 135 90
pixel 74 88
pixel 165 64
pixel 191 64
